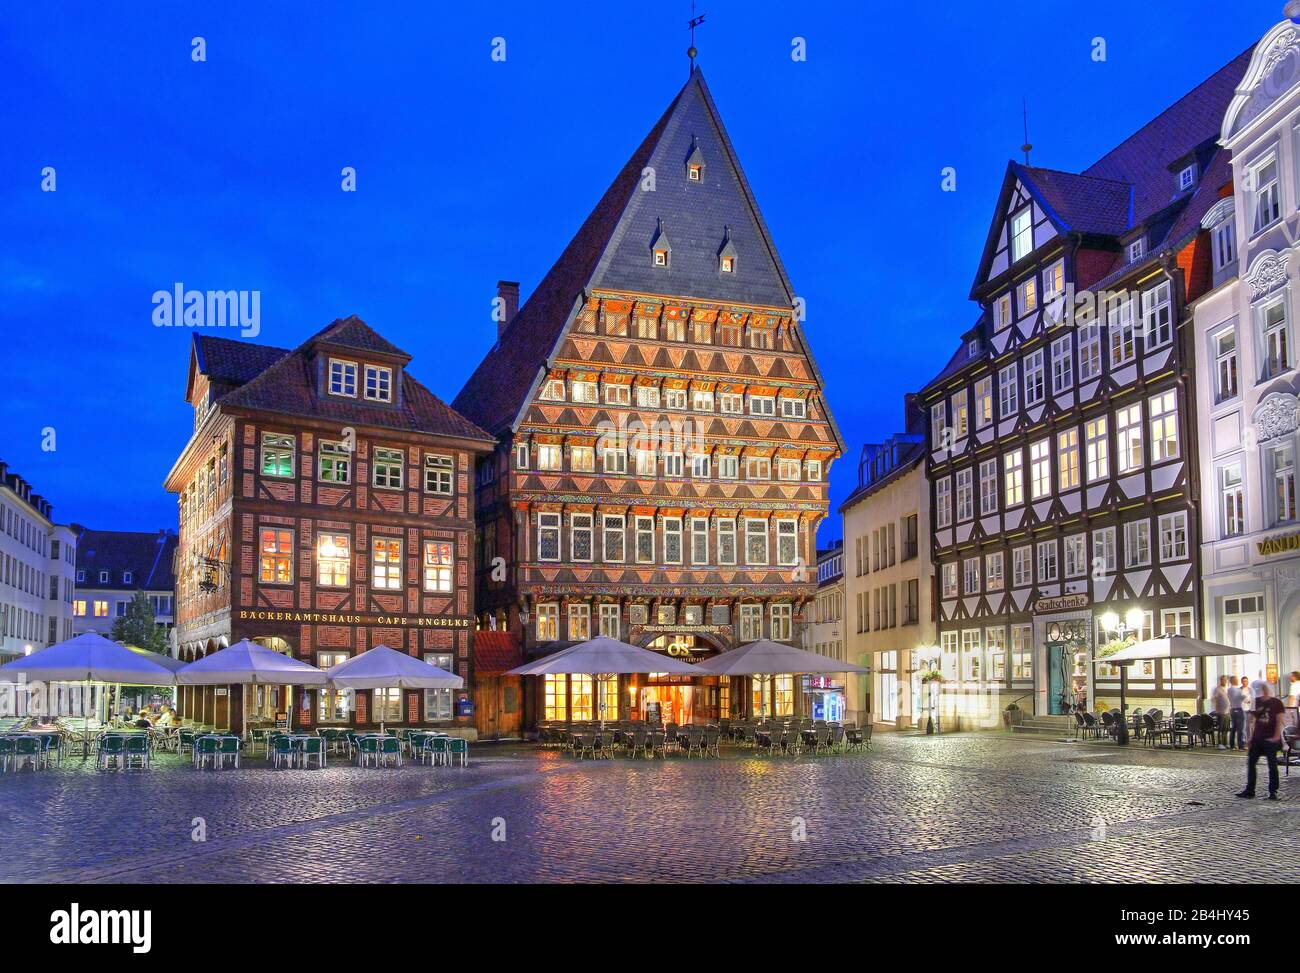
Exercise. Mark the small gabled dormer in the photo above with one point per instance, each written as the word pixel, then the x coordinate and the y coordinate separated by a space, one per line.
pixel 727 254
pixel 1135 248
pixel 660 249
pixel 695 164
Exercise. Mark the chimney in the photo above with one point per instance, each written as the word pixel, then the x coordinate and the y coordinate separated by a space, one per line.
pixel 913 414
pixel 508 295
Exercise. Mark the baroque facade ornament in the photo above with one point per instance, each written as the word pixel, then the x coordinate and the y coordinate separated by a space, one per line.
pixel 1276 416
pixel 1267 271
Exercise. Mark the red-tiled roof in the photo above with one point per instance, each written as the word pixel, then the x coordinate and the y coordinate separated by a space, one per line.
pixel 496 652
pixel 288 385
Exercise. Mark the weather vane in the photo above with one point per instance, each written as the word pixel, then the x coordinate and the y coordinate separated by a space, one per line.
pixel 694 22
pixel 1026 147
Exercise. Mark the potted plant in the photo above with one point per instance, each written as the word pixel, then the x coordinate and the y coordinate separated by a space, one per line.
pixel 1013 715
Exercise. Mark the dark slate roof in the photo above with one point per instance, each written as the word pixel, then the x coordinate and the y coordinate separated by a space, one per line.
pixel 226 360
pixel 909 454
pixel 611 250
pixel 1083 203
pixel 147 556
pixel 288 385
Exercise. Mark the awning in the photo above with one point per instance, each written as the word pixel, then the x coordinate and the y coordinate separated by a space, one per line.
pixel 247 663
pixel 1170 647
pixel 89 657
pixel 604 656
pixel 385 668
pixel 767 658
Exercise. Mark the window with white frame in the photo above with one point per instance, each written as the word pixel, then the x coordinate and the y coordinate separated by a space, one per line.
pixel 787 469
pixel 1225 365
pixel 1067 459
pixel 938 426
pixel 1173 536
pixel 965 494
pixel 970 569
pixel 1040 469
pixel 618 394
pixel 1137 543
pixel 989 486
pixel 333 560
pixel 1280 459
pixel 388 467
pixel 787 542
pixel 581 547
pixel 438 567
pixel 579 622
pixel 1097 448
pixel 758 468
pixel 1089 351
pixel 1157 316
pixel 582 459
pixel 613 460
pixel 1027 295
pixel 702 400
pixel 586 392
pixel 647 396
pixel 731 403
pixel 550 456
pixel 1021 567
pixel 993 577
pixel 1275 335
pixel 794 408
pixel 1014 477
pixel 1266 199
pixel 1076 555
pixel 1008 391
pixel 1128 426
pixel 960 414
pixel 672 540
pixel 782 622
pixel 700 463
pixel 438 472
pixel 610 621
pixel 1001 311
pixel 1054 282
pixel 1137 249
pixel 1119 325
pixel 755 541
pixel 343 378
pixel 644 540
pixel 674 464
pixel 548 537
pixel 971 656
pixel 1062 364
pixel 726 542
pixel 699 540
pixel 1232 500
pixel 1103 551
pixel 548 622
pixel 552 390
pixel 983 401
pixel 943 502
pixel 334 462
pixel 521 456
pixel 762 405
pixel 949 579
pixel 1163 411
pixel 612 538
pixel 751 623
pixel 1022 233
pixel 674 398
pixel 386 563
pixel 1034 388
pixel 728 467
pixel 1223 243
pixel 379 383
pixel 1047 567
pixel 813 468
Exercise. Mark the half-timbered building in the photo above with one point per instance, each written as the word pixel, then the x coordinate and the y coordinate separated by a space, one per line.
pixel 325 508
pixel 1061 439
pixel 664 440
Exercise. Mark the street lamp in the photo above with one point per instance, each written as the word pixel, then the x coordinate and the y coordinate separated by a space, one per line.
pixel 928 659
pixel 1131 625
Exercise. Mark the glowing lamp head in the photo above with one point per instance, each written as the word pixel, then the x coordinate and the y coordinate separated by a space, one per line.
pixel 1134 619
pixel 1110 621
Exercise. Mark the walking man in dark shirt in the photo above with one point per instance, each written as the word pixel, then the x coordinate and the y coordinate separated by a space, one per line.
pixel 1265 740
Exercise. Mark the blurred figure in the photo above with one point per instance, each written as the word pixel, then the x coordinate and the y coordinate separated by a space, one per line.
pixel 1222 711
pixel 1265 741
pixel 1236 715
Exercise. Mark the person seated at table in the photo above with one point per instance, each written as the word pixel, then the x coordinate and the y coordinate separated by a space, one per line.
pixel 142 720
pixel 166 719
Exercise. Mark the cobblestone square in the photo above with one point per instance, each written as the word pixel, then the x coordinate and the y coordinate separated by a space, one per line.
pixel 959 808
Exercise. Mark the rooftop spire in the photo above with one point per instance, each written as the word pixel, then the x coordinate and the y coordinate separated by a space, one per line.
pixel 1026 147
pixel 694 22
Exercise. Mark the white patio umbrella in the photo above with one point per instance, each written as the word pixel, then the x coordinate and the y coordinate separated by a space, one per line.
pixel 768 658
pixel 1171 647
pixel 87 658
pixel 385 668
pixel 246 663
pixel 604 658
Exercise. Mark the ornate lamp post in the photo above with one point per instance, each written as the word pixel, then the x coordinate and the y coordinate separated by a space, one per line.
pixel 1123 630
pixel 928 658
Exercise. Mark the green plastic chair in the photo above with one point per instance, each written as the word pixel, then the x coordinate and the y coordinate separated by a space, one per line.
pixel 313 747
pixel 205 751
pixel 7 747
pixel 367 750
pixel 281 750
pixel 390 747
pixel 228 747
pixel 137 748
pixel 28 748
pixel 458 747
pixel 438 750
pixel 110 748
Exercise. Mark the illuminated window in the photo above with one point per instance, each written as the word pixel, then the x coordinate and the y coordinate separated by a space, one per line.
pixel 548 622
pixel 751 623
pixel 437 566
pixel 333 558
pixel 610 621
pixel 79 608
pixel 579 622
pixel 101 609
pixel 276 548
pixel 548 537
pixel 437 702
pixel 277 454
pixel 581 699
pixel 555 697
pixel 386 563
pixel 332 705
pixel 388 706
pixel 783 695
pixel 1022 234
pixel 782 623
pixel 334 463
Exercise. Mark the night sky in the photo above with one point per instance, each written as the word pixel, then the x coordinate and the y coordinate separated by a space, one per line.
pixel 226 175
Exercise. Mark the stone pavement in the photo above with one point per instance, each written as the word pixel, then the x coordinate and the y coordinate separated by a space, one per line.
pixel 956 808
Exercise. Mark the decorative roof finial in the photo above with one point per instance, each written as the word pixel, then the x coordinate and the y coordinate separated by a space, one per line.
pixel 694 22
pixel 1026 147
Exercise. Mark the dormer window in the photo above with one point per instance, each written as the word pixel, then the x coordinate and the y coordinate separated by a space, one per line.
pixel 661 258
pixel 343 378
pixel 379 383
pixel 103 577
pixel 1137 250
pixel 727 254
pixel 728 265
pixel 127 577
pixel 660 249
pixel 1187 178
pixel 694 173
pixel 695 164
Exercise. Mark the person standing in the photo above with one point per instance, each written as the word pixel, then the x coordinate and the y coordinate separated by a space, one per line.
pixel 1222 711
pixel 1265 741
pixel 1236 715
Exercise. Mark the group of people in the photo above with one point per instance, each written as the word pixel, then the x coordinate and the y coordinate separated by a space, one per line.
pixel 1254 718
pixel 147 719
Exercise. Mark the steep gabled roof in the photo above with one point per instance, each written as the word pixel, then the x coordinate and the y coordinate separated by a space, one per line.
pixel 612 250
pixel 1080 203
pixel 289 385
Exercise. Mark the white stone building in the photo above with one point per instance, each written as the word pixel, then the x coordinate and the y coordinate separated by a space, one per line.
pixel 826 697
pixel 37 558
pixel 1246 392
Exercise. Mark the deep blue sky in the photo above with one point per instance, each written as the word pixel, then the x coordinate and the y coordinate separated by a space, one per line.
pixel 225 174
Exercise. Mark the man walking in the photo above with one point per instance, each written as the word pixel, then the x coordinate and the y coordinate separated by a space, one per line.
pixel 1237 715
pixel 1265 740
pixel 1222 708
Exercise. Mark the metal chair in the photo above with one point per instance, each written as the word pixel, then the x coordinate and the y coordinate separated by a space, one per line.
pixel 110 748
pixel 390 749
pixel 458 747
pixel 228 746
pixel 137 749
pixel 282 751
pixel 312 747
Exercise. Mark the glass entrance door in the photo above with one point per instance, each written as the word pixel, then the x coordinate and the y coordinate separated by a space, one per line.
pixel 1057 661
